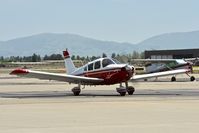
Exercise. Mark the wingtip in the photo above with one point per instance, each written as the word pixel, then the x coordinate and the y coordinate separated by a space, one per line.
pixel 19 71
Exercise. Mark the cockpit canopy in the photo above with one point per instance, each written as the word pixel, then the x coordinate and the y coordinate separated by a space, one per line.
pixel 100 63
pixel 106 62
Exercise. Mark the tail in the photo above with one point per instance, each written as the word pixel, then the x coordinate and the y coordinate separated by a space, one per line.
pixel 70 67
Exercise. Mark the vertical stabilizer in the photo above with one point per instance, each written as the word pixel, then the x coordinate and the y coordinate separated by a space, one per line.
pixel 70 67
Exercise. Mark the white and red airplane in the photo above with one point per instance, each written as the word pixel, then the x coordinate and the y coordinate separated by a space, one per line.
pixel 102 71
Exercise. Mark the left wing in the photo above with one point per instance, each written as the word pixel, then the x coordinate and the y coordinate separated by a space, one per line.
pixel 155 60
pixel 159 74
pixel 56 76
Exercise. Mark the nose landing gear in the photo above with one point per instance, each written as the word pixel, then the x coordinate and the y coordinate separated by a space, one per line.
pixel 130 90
pixel 122 90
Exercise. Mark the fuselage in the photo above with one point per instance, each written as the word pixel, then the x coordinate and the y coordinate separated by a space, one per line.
pixel 108 69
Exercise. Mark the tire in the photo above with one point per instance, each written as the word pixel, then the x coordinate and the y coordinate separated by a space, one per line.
pixel 131 90
pixel 76 93
pixel 192 78
pixel 122 93
pixel 173 79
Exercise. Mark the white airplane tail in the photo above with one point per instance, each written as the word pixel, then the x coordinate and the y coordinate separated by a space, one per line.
pixel 70 67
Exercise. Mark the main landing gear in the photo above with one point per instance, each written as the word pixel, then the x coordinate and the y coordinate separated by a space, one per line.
pixel 192 78
pixel 76 90
pixel 122 90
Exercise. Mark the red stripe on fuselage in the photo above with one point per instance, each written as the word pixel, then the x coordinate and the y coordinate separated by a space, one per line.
pixel 110 76
pixel 99 71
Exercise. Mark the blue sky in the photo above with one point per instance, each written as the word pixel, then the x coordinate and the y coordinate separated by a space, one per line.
pixel 116 20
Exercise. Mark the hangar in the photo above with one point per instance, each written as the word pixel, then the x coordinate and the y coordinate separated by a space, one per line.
pixel 171 54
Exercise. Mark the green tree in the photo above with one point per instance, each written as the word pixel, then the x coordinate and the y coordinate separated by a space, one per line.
pixel 104 55
pixel 73 57
pixel 77 57
pixel 113 55
pixel 34 57
pixel 135 55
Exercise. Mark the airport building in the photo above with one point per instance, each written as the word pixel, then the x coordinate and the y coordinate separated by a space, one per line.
pixel 172 54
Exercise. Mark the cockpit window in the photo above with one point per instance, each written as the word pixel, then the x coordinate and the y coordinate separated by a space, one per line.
pixel 116 61
pixel 90 67
pixel 97 65
pixel 107 62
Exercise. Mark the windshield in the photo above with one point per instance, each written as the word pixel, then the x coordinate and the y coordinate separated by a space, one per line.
pixel 116 61
pixel 107 62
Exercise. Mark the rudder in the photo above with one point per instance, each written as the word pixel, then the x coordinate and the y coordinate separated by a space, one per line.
pixel 69 65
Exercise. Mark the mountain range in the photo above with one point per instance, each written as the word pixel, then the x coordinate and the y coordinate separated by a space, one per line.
pixel 49 43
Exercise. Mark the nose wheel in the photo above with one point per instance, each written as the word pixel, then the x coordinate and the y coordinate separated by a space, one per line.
pixel 121 90
pixel 130 90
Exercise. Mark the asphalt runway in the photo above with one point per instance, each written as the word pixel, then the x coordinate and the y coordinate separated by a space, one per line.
pixel 40 106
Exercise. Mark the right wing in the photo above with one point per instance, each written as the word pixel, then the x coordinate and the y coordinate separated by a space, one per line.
pixel 56 76
pixel 159 74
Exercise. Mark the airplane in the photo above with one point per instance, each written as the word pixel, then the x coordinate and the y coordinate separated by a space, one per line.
pixel 160 65
pixel 102 71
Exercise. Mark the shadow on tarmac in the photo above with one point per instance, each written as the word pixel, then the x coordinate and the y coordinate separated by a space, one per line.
pixel 98 93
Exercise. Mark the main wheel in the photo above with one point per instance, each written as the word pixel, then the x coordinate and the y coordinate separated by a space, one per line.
pixel 122 93
pixel 192 78
pixel 76 93
pixel 130 90
pixel 173 79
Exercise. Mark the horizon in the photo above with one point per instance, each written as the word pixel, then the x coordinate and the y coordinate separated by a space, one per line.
pixel 95 38
pixel 129 21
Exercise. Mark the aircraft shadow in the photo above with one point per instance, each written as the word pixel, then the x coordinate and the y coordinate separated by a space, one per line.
pixel 50 94
pixel 97 93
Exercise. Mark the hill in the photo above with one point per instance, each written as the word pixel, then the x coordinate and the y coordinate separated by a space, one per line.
pixel 178 40
pixel 48 43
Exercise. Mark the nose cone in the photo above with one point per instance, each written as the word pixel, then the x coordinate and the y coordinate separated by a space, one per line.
pixel 129 70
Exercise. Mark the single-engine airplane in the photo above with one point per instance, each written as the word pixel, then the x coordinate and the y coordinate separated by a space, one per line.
pixel 102 71
pixel 160 65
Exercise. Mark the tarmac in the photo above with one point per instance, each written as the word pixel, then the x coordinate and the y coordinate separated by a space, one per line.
pixel 40 106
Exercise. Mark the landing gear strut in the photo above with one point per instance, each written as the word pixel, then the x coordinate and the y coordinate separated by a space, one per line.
pixel 76 90
pixel 122 90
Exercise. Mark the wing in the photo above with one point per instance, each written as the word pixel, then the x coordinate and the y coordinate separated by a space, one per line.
pixel 57 77
pixel 159 74
pixel 154 60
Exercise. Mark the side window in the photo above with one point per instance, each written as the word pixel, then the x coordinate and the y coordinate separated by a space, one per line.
pixel 85 68
pixel 97 65
pixel 90 67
